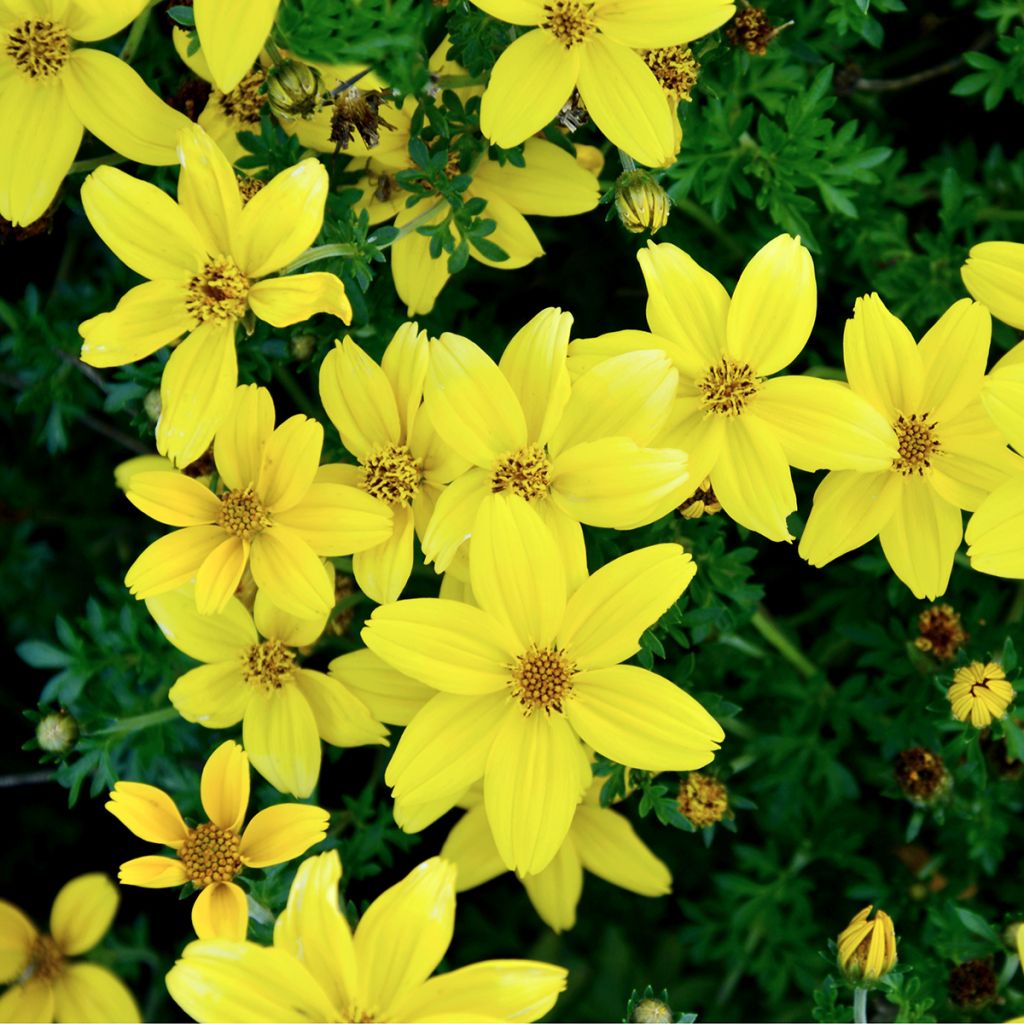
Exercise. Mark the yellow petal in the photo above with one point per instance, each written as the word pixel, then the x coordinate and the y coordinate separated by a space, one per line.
pixel 512 233
pixel 555 891
pixel 454 518
pixel 406 931
pixel 536 774
pixel 411 816
pixel 224 787
pixel 144 227
pixel 647 24
pixel 529 83
pixel 382 571
pixel 277 624
pixel 243 436
pixel 773 306
pixel 94 995
pixel 519 12
pixel 124 471
pixel 83 912
pixel 995 532
pixel 642 720
pixel 283 301
pixel 218 577
pixel 172 561
pixel 405 363
pixel 568 536
pixel 147 812
pixel 1003 396
pixel 32 1001
pixel 609 847
pixel 994 275
pixel 418 277
pixel 290 462
pixel 17 934
pixel 822 424
pixel 117 106
pixel 341 717
pixel 391 696
pixel 281 739
pixel 209 638
pixel 221 911
pixel 336 520
pixel 605 618
pixel 153 872
pixel 954 354
pixel 233 33
pixel 921 538
pixel 89 20
pixel 283 564
pixel 212 695
pixel 625 101
pixel 470 847
pixel 283 219
pixel 173 499
pixel 208 190
pixel 282 832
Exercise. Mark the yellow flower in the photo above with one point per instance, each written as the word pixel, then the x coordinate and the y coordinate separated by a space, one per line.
pixel 599 840
pixel 124 471
pixel 590 45
pixel 205 257
pixel 867 949
pixel 530 673
pixel 45 984
pixel 950 456
pixel 212 854
pixel 285 710
pixel 318 970
pixel 980 693
pixel 994 275
pixel 50 89
pixel 741 431
pixel 576 451
pixel 275 516
pixel 232 34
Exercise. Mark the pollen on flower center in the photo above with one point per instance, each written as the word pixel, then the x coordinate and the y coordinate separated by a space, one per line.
pixel 917 443
pixel 242 514
pixel 525 472
pixel 727 387
pixel 218 292
pixel 542 679
pixel 46 961
pixel 393 475
pixel 244 103
pixel 269 665
pixel 39 47
pixel 675 68
pixel 210 854
pixel 569 21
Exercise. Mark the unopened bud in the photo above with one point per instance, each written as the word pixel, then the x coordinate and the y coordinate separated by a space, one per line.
pixel 57 732
pixel 302 345
pixel 642 204
pixel 651 1011
pixel 293 90
pixel 922 776
pixel 151 403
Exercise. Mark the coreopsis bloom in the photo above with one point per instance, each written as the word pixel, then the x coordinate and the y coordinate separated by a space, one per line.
pixel 922 776
pixel 212 854
pixel 576 451
pixel 980 693
pixel 52 89
pixel 941 632
pixel 867 948
pixel 285 709
pixel 207 258
pixel 46 984
pixel 274 517
pixel 377 411
pixel 590 45
pixel 600 840
pixel 949 455
pixel 527 673
pixel 232 34
pixel 703 799
pixel 319 970
pixel 994 275
pixel 741 428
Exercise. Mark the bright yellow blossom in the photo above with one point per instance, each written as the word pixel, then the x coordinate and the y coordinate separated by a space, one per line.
pixel 994 275
pixel 274 517
pixel 50 88
pixel 867 949
pixel 212 854
pixel 45 984
pixel 319 970
pixel 207 259
pixel 576 451
pixel 950 455
pixel 285 709
pixel 232 34
pixel 980 693
pixel 591 45
pixel 377 411
pixel 600 840
pixel 530 673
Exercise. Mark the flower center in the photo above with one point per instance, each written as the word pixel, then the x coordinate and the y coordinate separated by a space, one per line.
pixel 210 854
pixel 525 472
pixel 244 103
pixel 46 961
pixel 393 475
pixel 917 443
pixel 569 21
pixel 703 799
pixel 268 666
pixel 675 68
pixel 39 48
pixel 242 514
pixel 218 292
pixel 727 387
pixel 542 679
pixel 248 187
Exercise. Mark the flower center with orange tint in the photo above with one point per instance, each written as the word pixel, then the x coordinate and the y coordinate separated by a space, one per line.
pixel 675 68
pixel 243 104
pixel 526 472
pixel 542 679
pixel 268 666
pixel 727 387
pixel 917 444
pixel 39 48
pixel 210 854
pixel 242 514
pixel 248 187
pixel 569 21
pixel 393 475
pixel 46 961
pixel 218 292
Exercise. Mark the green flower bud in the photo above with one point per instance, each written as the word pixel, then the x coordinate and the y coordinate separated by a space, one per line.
pixel 642 204
pixel 57 732
pixel 293 90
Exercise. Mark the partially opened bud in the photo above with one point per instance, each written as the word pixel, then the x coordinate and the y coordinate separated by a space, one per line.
pixel 980 693
pixel 642 204
pixel 867 948
pixel 294 90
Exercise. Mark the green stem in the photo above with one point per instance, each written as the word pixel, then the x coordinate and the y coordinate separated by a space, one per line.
pixel 81 166
pixel 1008 971
pixel 769 631
pixel 138 30
pixel 273 52
pixel 286 379
pixel 139 722
pixel 860 1006
pixel 1016 610
pixel 628 163
pixel 458 81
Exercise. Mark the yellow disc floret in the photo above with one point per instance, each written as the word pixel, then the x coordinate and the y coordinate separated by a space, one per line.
pixel 39 48
pixel 526 472
pixel 243 104
pixel 218 292
pixel 269 665
pixel 569 21
pixel 727 387
pixel 917 443
pixel 210 854
pixel 392 474
pixel 242 514
pixel 542 679
pixel 675 68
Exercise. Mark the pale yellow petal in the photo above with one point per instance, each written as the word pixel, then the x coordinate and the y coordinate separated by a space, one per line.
pixel 418 277
pixel 218 577
pixel 208 190
pixel 83 913
pixel 647 24
pixel 568 536
pixel 519 12
pixel 391 696
pixel 290 462
pixel 609 847
pixel 512 234
pixel 283 301
pixel 221 911
pixel 153 873
pixel 555 891
pixel 283 564
pixel 405 363
pixel 17 935
pixel 90 20
pixel 341 717
pixel 281 739
pixel 92 994
pixel 454 518
pixel 470 847
pixel 243 436
pixel 173 499
pixel 383 570
pixel 276 624
pixel 233 33
pixel 954 354
pixel 172 561
pixel 995 533
pixel 148 812
pixel 334 519
pixel 215 696
pixel 31 1002
pixel 282 832
pixel 224 786
pixel 994 275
